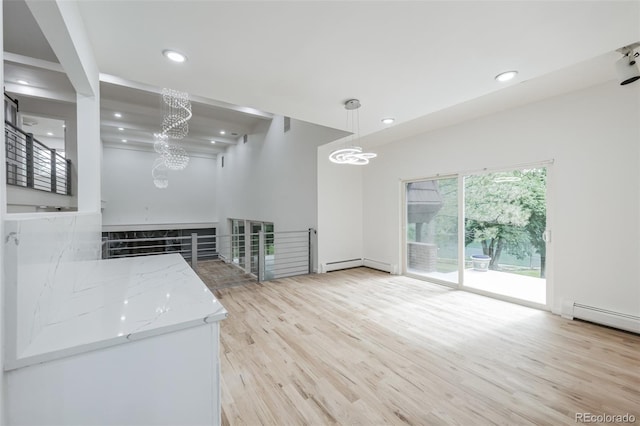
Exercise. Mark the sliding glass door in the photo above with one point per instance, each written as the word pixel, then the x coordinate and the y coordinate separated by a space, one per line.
pixel 238 248
pixel 505 221
pixel 432 229
pixel 267 228
pixel 484 232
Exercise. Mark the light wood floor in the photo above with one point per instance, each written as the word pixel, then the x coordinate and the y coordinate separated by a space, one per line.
pixel 364 347
pixel 218 274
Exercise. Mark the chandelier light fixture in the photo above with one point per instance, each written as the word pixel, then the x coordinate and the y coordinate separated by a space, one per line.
pixel 175 126
pixel 161 142
pixel 177 112
pixel 627 66
pixel 175 157
pixel 159 173
pixel 352 154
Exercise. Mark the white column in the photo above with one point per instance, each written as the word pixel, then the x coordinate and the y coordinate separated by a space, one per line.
pixel 3 213
pixel 89 153
pixel 62 25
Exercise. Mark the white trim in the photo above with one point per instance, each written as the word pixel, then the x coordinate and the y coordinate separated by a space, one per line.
pixel 158 226
pixel 112 79
pixel 570 310
pixel 132 145
pixel 548 266
pixel 484 170
pixel 33 62
pixel 381 266
pixel 433 177
pixel 341 264
pixel 403 227
pixel 461 235
pixel 37 92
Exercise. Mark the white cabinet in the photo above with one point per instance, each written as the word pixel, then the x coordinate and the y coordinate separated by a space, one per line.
pixel 168 379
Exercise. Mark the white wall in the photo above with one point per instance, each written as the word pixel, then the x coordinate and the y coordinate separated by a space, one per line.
pixel 62 25
pixel 272 177
pixel 131 198
pixel 22 200
pixel 594 137
pixel 339 210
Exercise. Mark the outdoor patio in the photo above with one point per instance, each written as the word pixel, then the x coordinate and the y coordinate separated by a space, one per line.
pixel 508 284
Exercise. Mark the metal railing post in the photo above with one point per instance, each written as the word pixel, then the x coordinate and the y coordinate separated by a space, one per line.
pixel 246 245
pixel 310 250
pixel 105 247
pixel 68 174
pixel 261 256
pixel 54 175
pixel 194 251
pixel 29 149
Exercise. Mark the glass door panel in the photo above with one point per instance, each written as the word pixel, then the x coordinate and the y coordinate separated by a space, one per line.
pixel 255 228
pixel 505 219
pixel 432 229
pixel 237 242
pixel 254 235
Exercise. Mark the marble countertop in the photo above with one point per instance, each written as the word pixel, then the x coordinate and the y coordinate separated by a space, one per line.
pixel 101 303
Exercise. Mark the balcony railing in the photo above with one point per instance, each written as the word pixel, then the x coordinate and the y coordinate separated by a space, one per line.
pixel 31 164
pixel 266 256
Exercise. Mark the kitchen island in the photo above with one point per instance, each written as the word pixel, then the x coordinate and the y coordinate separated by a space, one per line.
pixel 117 341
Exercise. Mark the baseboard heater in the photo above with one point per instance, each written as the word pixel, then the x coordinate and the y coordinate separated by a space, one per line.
pixel 341 264
pixel 614 319
pixel 381 266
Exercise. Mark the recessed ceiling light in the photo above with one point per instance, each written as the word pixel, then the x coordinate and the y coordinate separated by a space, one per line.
pixel 121 128
pixel 388 120
pixel 49 133
pixel 213 141
pixel 174 56
pixel 222 132
pixel 506 76
pixel 117 115
pixel 64 126
pixel 124 140
pixel 23 82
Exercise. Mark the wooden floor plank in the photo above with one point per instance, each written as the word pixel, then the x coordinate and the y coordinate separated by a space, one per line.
pixel 363 347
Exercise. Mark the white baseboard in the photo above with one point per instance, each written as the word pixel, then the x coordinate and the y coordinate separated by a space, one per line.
pixel 341 264
pixel 571 310
pixel 381 266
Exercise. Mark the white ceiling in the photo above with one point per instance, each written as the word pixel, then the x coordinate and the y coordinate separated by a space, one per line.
pixel 410 60
pixel 305 58
pixel 29 57
pixel 142 112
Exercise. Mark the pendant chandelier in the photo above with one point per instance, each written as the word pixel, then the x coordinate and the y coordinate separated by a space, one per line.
pixel 352 154
pixel 177 112
pixel 175 126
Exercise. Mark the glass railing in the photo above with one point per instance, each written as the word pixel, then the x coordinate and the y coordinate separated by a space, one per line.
pixel 272 255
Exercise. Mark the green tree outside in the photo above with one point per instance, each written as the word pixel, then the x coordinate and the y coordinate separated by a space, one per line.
pixel 506 212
